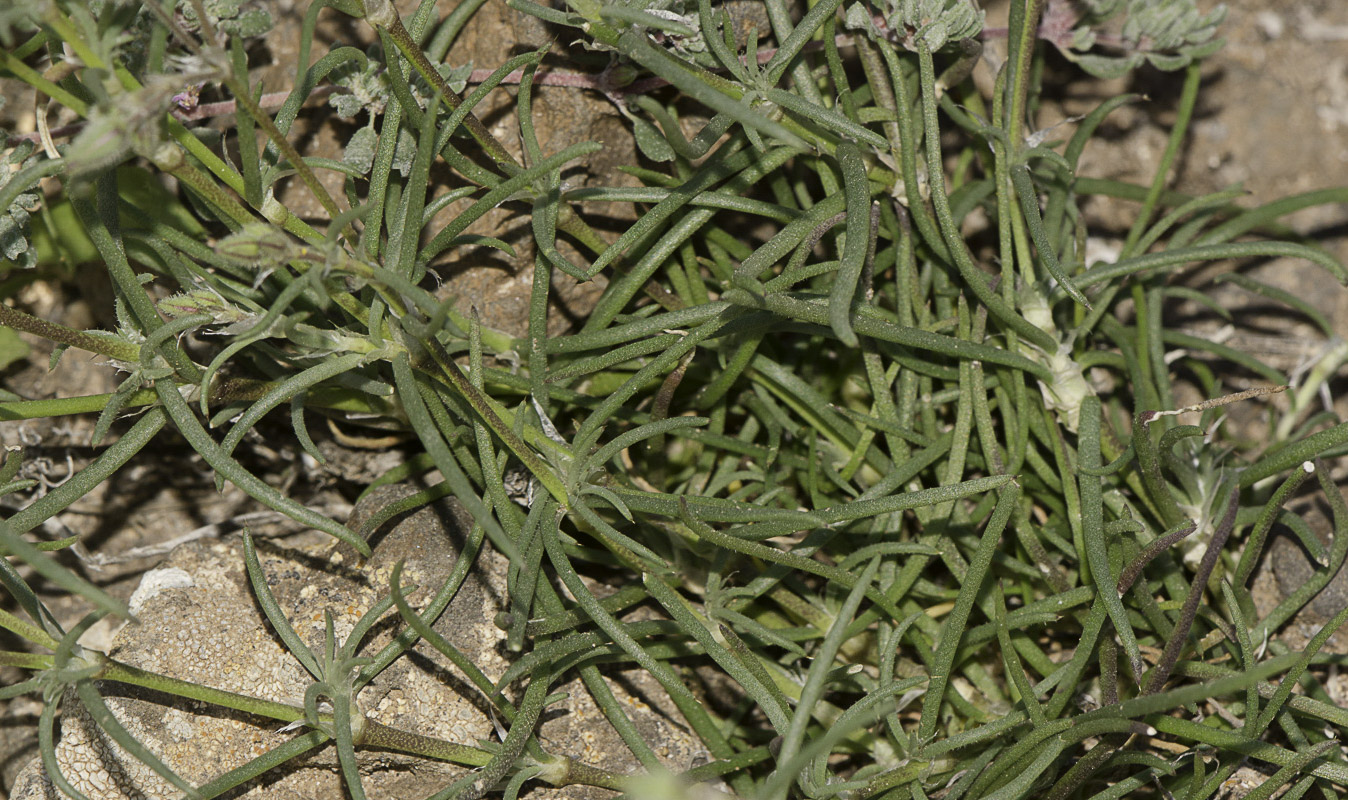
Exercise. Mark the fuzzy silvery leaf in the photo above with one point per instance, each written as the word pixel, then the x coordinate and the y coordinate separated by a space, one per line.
pixel 919 24
pixel 235 17
pixel 1101 9
pixel 1168 34
pixel 1167 26
pixel 456 77
pixel 1204 50
pixel 346 105
pixel 1206 28
pixel 366 89
pixel 128 123
pixel 360 150
pixel 1083 39
pixel 1169 62
pixel 253 22
pixel 933 23
pixel 931 36
pixel 650 141
pixel 1106 68
pixel 15 232
pixel 858 18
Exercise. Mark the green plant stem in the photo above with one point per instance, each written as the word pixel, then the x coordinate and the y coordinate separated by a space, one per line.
pixel 1093 534
pixel 953 628
pixel 210 191
pixel 435 361
pixel 1234 742
pixel 101 221
pixel 291 749
pixel 973 277
pixel 244 98
pixel 1188 97
pixel 572 772
pixel 31 633
pixel 382 15
pixel 113 670
pixel 812 691
pixel 1023 29
pixel 378 735
pixel 106 345
pixel 1254 544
